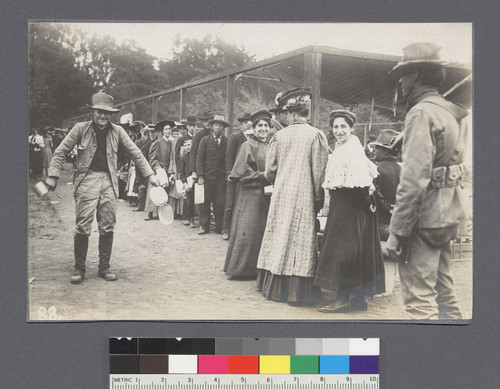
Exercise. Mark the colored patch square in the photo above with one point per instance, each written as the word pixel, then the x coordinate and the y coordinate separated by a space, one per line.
pixel 274 364
pixel 334 364
pixel 363 364
pixel 183 364
pixel 153 364
pixel 366 346
pixel 123 364
pixel 212 364
pixel 308 346
pixel 304 364
pixel 243 364
pixel 123 346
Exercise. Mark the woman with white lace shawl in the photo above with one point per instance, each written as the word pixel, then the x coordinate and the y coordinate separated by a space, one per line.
pixel 351 261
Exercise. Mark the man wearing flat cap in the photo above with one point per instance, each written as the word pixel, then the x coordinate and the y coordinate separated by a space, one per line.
pixel 211 173
pixel 429 199
pixel 295 164
pixel 95 180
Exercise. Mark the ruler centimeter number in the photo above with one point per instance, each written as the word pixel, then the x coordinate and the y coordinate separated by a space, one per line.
pixel 244 381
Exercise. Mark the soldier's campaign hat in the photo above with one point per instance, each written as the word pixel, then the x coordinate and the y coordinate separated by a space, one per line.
pixel 349 117
pixel 219 119
pixel 103 102
pixel 206 116
pixel 385 138
pixel 293 98
pixel 419 53
pixel 245 118
pixel 162 123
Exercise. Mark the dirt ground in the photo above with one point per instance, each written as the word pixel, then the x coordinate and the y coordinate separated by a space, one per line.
pixel 165 273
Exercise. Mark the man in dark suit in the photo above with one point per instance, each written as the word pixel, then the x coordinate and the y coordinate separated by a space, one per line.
pixel 233 145
pixel 190 127
pixel 211 173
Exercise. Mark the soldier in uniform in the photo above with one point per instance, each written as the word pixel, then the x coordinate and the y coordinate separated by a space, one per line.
pixel 429 199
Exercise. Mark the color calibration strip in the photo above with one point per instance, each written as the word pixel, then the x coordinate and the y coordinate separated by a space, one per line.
pixel 223 356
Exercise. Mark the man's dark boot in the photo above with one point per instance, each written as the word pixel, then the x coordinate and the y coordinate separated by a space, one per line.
pixel 81 244
pixel 105 246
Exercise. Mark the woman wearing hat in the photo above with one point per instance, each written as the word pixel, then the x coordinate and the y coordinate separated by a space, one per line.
pixel 350 262
pixel 252 206
pixel 295 164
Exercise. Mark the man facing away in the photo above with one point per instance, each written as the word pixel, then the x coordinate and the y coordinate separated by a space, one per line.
pixel 96 180
pixel 430 199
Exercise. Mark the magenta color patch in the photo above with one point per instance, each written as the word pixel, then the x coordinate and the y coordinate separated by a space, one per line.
pixel 213 364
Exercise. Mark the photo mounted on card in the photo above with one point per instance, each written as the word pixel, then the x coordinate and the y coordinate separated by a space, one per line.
pixel 250 171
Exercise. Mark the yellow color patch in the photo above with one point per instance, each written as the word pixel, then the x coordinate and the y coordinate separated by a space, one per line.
pixel 274 364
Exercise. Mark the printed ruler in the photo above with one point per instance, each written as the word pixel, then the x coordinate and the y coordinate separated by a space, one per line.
pixel 246 381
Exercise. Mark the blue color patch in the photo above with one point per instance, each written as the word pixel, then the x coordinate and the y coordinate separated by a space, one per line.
pixel 334 364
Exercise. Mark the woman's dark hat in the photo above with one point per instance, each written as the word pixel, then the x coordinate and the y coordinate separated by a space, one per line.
pixel 293 98
pixel 262 114
pixel 162 123
pixel 103 102
pixel 245 118
pixel 385 138
pixel 219 119
pixel 191 119
pixel 206 116
pixel 343 113
pixel 419 53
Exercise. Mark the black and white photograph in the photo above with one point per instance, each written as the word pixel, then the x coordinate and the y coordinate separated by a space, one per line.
pixel 250 171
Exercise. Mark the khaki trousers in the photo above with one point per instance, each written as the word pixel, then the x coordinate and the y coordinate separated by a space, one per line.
pixel 427 283
pixel 95 196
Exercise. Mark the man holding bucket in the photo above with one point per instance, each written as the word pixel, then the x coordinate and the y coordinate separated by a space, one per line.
pixel 95 180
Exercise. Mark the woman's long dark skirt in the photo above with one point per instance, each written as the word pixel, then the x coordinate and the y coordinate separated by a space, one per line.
pixel 351 257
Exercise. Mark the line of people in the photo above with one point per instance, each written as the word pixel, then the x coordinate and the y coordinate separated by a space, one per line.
pixel 265 189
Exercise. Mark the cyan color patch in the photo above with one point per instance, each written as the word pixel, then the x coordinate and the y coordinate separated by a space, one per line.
pixel 334 364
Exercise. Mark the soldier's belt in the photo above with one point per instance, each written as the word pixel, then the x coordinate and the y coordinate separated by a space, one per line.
pixel 447 176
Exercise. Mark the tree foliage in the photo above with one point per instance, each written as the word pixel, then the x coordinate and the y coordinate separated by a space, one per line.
pixel 57 87
pixel 67 65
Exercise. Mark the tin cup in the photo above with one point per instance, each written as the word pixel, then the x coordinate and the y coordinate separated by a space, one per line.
pixel 40 189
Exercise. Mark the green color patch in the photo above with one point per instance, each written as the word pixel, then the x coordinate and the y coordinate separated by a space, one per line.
pixel 304 364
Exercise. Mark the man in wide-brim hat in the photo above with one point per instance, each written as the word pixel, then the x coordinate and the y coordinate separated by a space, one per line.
pixel 95 180
pixel 211 173
pixel 429 196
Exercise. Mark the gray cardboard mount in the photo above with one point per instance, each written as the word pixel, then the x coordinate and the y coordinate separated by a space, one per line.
pixel 75 355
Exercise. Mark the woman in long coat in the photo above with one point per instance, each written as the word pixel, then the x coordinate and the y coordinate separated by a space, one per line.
pixel 252 205
pixel 351 261
pixel 295 164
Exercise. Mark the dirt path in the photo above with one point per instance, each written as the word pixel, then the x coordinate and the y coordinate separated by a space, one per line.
pixel 165 273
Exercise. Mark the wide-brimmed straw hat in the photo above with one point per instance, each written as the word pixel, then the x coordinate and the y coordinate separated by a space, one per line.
pixel 419 53
pixel 103 102
pixel 219 119
pixel 385 138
